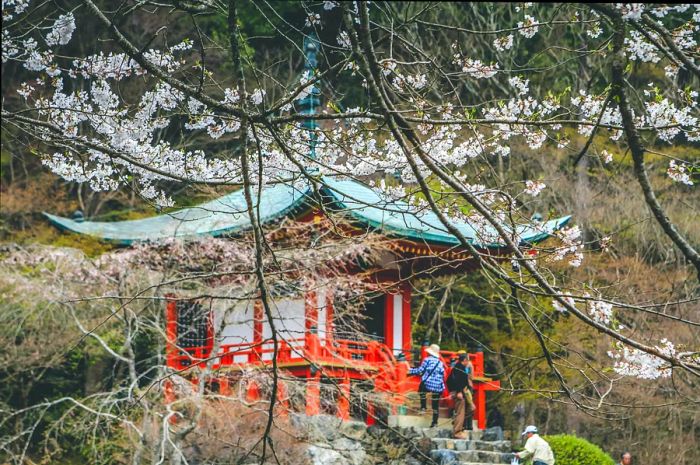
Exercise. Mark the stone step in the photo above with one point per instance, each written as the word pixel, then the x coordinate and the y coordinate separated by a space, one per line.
pixel 416 421
pixel 454 457
pixel 466 444
pixel 439 432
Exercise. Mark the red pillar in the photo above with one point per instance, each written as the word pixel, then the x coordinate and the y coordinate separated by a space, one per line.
pixel 253 392
pixel 371 419
pixel 478 363
pixel 389 321
pixel 313 394
pixel 480 402
pixel 344 399
pixel 224 386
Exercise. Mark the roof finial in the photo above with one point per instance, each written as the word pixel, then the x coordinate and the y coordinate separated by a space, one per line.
pixel 310 103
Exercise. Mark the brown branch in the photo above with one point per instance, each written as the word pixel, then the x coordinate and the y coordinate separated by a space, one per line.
pixel 234 35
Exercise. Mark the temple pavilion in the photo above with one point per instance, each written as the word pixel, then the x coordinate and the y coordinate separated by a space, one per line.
pixel 313 346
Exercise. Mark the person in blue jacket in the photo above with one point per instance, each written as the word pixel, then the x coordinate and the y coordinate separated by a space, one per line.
pixel 432 373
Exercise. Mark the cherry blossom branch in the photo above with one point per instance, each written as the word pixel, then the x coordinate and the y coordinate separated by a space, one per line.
pixel 399 128
pixel 636 147
pixel 677 52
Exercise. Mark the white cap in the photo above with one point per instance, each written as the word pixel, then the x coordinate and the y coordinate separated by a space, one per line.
pixel 530 429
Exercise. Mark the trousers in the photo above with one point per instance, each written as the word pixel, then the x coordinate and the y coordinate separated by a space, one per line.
pixel 434 401
pixel 463 411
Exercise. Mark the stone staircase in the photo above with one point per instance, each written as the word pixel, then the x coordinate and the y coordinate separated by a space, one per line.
pixel 444 450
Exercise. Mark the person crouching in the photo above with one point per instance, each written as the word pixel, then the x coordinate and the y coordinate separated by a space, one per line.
pixel 536 448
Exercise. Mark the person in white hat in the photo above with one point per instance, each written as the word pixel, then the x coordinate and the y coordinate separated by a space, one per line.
pixel 536 447
pixel 432 372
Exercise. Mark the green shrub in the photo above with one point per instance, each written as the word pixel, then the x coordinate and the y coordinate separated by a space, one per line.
pixel 570 450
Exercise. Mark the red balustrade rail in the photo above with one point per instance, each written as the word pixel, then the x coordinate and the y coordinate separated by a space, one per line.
pixel 311 349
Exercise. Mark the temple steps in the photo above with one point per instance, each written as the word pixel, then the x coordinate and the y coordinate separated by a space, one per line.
pixel 466 444
pixel 471 451
pixel 454 457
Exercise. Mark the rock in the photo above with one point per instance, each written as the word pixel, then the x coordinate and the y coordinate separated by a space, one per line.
pixel 353 429
pixel 437 433
pixel 423 445
pixel 444 457
pixel 351 450
pixel 492 434
pixel 323 455
pixel 321 428
pixel 410 460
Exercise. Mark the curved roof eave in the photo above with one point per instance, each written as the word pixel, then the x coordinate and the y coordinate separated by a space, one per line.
pixel 227 215
pixel 398 219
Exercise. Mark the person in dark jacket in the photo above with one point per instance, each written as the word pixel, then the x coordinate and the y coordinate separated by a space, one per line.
pixel 460 385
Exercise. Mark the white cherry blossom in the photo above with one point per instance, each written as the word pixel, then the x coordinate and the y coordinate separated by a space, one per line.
pixel 633 362
pixel 528 27
pixel 62 30
pixel 503 43
pixel 534 188
pixel 679 173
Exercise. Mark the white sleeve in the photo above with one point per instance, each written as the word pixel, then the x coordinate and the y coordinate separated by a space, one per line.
pixel 529 449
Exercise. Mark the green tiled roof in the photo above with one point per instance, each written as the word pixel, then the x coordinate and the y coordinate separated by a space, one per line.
pixel 227 216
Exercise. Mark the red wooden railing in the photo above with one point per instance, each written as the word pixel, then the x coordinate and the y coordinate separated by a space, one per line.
pixel 310 348
pixel 337 358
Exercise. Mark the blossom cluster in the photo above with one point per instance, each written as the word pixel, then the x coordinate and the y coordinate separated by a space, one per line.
pixel 528 27
pixel 571 246
pixel 636 363
pixel 475 68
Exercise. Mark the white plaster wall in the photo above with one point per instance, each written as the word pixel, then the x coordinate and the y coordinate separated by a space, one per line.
pixel 237 327
pixel 398 323
pixel 289 319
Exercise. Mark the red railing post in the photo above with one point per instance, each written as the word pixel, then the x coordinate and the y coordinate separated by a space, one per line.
pixel 252 391
pixel 224 386
pixel 313 394
pixel 480 402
